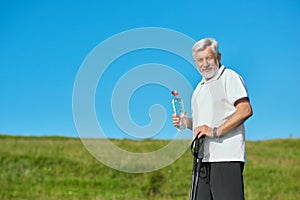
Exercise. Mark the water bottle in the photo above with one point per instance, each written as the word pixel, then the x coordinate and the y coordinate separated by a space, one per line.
pixel 178 109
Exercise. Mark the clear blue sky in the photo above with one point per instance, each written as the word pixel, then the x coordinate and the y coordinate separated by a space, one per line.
pixel 43 44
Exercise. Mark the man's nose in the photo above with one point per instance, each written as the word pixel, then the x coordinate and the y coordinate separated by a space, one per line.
pixel 205 63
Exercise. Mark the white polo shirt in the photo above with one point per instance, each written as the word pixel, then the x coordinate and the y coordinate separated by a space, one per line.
pixel 212 104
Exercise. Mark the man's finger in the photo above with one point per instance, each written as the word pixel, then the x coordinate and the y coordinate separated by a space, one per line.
pixel 196 132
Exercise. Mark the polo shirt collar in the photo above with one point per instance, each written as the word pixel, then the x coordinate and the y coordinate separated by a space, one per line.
pixel 216 77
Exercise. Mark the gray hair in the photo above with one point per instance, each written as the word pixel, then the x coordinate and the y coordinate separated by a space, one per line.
pixel 203 43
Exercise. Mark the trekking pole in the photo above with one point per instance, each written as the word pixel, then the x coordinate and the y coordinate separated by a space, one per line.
pixel 198 153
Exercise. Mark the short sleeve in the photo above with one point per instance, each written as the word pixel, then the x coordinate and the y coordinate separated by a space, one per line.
pixel 235 87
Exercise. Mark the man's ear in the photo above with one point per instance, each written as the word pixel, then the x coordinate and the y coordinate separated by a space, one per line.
pixel 219 57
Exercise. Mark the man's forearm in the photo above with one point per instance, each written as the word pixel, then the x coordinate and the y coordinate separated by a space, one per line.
pixel 243 112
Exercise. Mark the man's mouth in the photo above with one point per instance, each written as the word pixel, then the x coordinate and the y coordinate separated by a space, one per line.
pixel 206 69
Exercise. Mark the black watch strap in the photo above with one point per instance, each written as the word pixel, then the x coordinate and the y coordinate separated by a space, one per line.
pixel 215 132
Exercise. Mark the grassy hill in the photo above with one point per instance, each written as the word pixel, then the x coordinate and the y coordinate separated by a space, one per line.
pixel 61 168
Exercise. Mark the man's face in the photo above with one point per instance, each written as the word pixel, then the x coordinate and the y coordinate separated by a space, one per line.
pixel 207 63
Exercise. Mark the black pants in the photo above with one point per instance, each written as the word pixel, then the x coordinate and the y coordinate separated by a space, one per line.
pixel 221 181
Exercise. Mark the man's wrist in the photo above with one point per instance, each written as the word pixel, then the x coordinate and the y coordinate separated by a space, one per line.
pixel 189 123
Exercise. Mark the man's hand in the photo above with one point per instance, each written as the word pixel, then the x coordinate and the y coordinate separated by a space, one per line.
pixel 176 119
pixel 203 130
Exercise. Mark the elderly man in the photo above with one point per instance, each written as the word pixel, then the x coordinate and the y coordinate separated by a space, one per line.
pixel 220 106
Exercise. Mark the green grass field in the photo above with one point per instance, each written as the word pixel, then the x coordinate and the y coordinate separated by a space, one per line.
pixel 61 168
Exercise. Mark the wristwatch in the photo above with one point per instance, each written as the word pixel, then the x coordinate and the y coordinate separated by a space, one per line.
pixel 215 132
